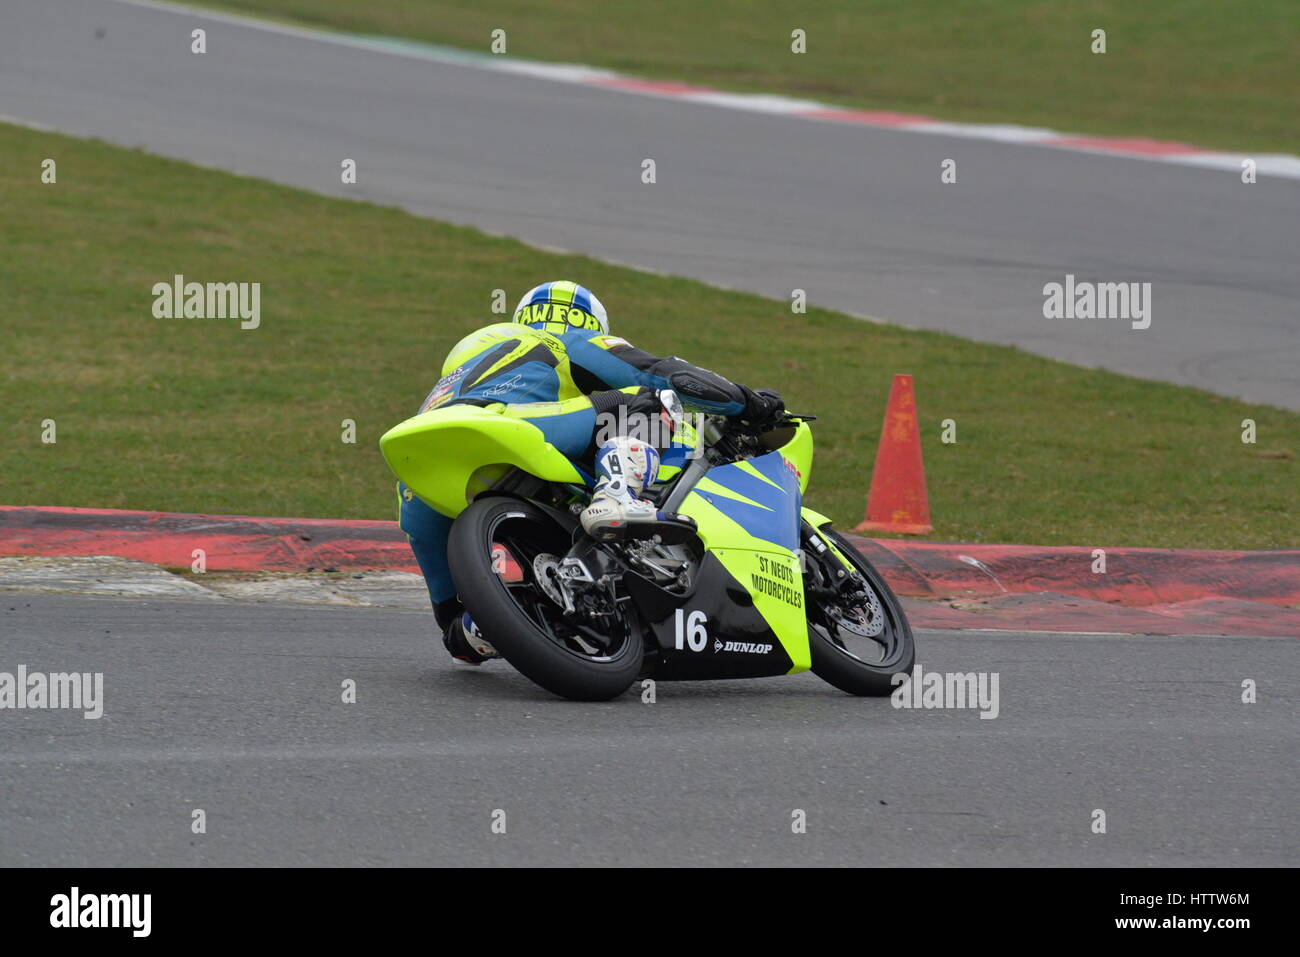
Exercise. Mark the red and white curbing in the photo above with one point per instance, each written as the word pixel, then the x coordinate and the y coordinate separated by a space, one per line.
pixel 1273 164
pixel 1137 147
pixel 994 587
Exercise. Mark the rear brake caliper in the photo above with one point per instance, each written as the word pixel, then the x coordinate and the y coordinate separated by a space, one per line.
pixel 580 593
pixel 546 570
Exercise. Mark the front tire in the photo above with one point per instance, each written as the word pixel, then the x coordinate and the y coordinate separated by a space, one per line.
pixel 519 620
pixel 861 665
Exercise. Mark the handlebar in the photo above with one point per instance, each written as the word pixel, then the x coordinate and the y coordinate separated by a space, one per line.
pixel 717 430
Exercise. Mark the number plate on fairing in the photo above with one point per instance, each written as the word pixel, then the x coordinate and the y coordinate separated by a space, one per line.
pixel 716 631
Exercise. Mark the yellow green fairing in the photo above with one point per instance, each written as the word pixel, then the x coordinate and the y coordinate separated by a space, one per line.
pixel 748 516
pixel 447 456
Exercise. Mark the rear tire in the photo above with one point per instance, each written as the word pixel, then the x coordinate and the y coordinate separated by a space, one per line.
pixel 836 665
pixel 535 652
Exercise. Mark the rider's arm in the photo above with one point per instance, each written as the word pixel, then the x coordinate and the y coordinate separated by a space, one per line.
pixel 609 362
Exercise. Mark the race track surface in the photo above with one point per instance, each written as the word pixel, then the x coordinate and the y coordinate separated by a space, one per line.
pixel 235 708
pixel 855 216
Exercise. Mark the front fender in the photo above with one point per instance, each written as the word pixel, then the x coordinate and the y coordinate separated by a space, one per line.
pixel 815 519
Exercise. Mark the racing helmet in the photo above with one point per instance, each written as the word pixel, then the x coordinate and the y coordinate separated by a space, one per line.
pixel 561 306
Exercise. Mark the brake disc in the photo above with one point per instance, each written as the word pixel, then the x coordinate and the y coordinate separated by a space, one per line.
pixel 875 618
pixel 877 624
pixel 546 571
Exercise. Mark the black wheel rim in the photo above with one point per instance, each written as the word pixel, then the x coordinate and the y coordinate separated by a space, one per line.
pixel 525 536
pixel 884 650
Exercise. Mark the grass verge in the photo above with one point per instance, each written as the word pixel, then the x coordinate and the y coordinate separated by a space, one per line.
pixel 360 303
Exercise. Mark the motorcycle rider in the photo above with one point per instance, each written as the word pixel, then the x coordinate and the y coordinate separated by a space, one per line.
pixel 556 366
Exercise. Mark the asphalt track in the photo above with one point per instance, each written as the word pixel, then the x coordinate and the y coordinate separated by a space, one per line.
pixel 856 216
pixel 235 708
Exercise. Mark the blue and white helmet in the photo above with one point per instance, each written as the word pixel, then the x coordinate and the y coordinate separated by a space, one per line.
pixel 561 306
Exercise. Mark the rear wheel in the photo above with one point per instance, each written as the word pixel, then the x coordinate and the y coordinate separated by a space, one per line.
pixel 857 631
pixel 520 612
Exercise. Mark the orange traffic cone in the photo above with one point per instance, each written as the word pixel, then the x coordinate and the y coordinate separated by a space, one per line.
pixel 897 501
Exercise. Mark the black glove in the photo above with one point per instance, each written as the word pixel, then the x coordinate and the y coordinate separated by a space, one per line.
pixel 644 401
pixel 762 406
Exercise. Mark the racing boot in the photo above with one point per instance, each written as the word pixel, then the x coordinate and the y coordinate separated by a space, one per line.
pixel 462 636
pixel 624 467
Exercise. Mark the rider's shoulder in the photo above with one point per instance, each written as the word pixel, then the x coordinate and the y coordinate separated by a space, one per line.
pixel 496 330
pixel 477 342
pixel 501 330
pixel 601 340
pixel 486 335
pixel 562 338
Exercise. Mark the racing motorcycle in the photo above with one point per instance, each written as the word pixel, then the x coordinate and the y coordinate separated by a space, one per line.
pixel 742 581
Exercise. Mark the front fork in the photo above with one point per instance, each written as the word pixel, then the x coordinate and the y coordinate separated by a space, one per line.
pixel 846 598
pixel 820 559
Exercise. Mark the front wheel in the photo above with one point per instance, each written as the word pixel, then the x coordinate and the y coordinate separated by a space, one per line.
pixel 857 632
pixel 519 614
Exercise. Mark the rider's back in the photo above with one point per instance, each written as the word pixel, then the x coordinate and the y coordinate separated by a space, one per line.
pixel 514 363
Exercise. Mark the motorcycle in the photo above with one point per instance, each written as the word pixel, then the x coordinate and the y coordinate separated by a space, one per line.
pixel 745 583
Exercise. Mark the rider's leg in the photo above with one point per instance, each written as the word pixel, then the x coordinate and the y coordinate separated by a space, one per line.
pixel 569 425
pixel 427 532
pixel 624 467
